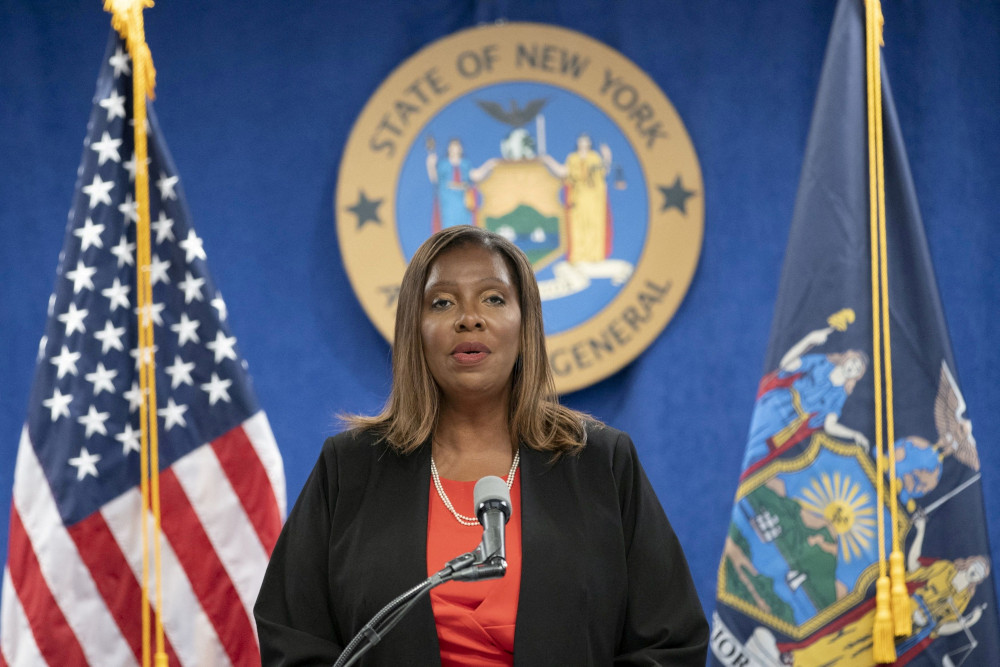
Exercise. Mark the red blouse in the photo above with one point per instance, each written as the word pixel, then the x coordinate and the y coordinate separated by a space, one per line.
pixel 475 619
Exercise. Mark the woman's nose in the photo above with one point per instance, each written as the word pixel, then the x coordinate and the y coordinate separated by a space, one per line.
pixel 469 319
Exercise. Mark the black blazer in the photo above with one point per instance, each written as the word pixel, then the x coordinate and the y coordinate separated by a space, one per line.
pixel 603 577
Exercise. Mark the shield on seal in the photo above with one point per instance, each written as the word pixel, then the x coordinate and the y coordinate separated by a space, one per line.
pixel 521 201
pixel 802 546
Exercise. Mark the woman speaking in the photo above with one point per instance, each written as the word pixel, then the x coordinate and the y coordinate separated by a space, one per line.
pixel 595 573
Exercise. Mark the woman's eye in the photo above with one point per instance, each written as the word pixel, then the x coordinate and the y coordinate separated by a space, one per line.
pixel 495 299
pixel 439 303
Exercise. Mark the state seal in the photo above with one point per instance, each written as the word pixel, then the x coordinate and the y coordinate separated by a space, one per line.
pixel 553 140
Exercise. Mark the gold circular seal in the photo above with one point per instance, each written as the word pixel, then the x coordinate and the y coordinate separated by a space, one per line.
pixel 555 141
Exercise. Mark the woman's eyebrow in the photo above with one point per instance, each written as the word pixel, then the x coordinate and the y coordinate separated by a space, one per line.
pixel 438 284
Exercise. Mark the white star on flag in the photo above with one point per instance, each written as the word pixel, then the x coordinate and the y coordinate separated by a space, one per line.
pixel 110 337
pixel 73 319
pixel 94 421
pixel 85 463
pixel 222 346
pixel 129 208
pixel 82 276
pixel 58 405
pixel 164 228
pixel 192 247
pixel 217 389
pixel 158 270
pixel 124 251
pixel 115 105
pixel 65 362
pixel 186 330
pixel 98 191
pixel 180 372
pixel 101 379
pixel 117 295
pixel 131 122
pixel 173 414
pixel 150 310
pixel 192 287
pixel 129 438
pixel 90 235
pixel 134 397
pixel 107 149
pixel 145 353
pixel 166 185
pixel 220 306
pixel 119 62
pixel 130 166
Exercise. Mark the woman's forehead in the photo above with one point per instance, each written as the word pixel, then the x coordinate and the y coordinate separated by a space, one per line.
pixel 468 263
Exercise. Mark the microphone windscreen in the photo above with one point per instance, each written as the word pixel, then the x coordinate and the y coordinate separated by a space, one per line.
pixel 491 488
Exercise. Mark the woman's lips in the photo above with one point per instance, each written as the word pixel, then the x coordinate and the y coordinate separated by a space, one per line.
pixel 469 353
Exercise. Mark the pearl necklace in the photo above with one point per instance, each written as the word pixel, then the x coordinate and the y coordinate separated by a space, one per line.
pixel 463 519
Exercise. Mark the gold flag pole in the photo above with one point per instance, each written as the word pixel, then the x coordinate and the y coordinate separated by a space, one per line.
pixel 127 19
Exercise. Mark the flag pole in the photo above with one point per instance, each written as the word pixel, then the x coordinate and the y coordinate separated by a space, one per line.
pixel 127 19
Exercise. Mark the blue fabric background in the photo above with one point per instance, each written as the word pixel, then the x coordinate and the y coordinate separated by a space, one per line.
pixel 256 100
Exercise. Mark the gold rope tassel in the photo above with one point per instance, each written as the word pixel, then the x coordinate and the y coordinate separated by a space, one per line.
pixel 883 630
pixel 884 645
pixel 902 617
pixel 902 622
pixel 126 18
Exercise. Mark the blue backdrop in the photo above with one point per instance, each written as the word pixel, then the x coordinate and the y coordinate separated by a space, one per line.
pixel 256 99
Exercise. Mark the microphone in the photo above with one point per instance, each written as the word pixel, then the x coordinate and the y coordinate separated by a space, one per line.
pixel 492 502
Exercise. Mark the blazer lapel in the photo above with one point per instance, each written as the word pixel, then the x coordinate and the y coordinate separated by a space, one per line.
pixel 548 500
pixel 408 477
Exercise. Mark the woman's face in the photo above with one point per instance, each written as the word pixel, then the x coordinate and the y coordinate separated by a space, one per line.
pixel 853 367
pixel 471 323
pixel 976 572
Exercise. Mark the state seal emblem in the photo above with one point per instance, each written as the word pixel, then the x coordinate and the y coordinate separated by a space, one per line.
pixel 553 140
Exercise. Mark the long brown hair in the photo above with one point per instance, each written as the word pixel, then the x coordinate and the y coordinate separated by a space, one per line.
pixel 410 415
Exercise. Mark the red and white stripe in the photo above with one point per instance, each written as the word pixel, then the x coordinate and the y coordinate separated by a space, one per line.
pixel 73 596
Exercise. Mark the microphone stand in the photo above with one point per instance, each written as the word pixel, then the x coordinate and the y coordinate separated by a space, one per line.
pixel 471 566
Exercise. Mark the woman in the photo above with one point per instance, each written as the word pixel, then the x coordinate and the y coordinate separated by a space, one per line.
pixel 940 593
pixel 454 182
pixel 588 216
pixel 595 574
pixel 804 395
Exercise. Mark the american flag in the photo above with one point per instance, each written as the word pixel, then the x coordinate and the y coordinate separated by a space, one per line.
pixel 72 582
